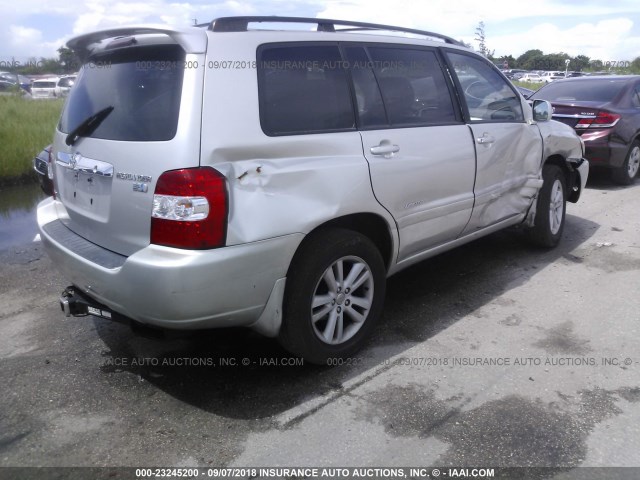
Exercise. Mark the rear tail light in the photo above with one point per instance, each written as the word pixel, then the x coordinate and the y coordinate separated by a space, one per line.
pixel 190 209
pixel 602 120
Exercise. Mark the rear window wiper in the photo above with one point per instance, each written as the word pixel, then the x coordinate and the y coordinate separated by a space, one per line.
pixel 88 125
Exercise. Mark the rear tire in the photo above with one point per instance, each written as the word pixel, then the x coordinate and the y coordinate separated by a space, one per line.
pixel 334 296
pixel 550 209
pixel 626 174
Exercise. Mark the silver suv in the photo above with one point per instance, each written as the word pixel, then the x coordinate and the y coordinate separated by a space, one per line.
pixel 223 175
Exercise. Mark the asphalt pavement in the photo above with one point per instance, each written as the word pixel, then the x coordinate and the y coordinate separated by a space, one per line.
pixel 496 354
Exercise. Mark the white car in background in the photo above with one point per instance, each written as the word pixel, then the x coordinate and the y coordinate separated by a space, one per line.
pixel 45 87
pixel 531 77
pixel 548 77
pixel 64 85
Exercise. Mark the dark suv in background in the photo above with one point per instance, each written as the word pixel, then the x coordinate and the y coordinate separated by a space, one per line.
pixel 605 112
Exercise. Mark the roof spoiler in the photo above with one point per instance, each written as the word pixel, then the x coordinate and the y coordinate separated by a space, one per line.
pixel 191 39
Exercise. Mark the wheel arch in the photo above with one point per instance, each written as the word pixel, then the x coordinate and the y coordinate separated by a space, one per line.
pixel 546 230
pixel 571 175
pixel 370 225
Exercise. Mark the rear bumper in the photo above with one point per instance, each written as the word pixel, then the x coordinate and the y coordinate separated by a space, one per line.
pixel 581 167
pixel 168 287
pixel 602 151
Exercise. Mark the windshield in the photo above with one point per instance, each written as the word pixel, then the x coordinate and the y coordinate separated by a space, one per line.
pixel 604 90
pixel 66 82
pixel 142 84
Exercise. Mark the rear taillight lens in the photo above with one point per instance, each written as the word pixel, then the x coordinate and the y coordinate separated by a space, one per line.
pixel 602 120
pixel 190 209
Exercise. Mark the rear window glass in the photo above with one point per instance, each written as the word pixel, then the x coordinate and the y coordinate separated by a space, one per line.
pixel 66 82
pixel 142 84
pixel 635 97
pixel 304 89
pixel 44 85
pixel 9 77
pixel 581 91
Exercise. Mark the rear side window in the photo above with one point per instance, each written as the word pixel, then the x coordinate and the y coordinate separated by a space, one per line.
pixel 142 84
pixel 371 112
pixel 44 84
pixel 413 86
pixel 303 89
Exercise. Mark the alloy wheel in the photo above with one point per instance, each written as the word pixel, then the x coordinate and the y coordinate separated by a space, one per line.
pixel 342 300
pixel 556 207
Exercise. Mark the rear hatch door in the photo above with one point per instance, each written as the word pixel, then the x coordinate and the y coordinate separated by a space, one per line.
pixel 134 113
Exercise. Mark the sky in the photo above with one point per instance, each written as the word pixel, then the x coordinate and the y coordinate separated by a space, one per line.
pixel 607 31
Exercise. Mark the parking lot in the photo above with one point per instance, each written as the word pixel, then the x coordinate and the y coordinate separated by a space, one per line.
pixel 496 354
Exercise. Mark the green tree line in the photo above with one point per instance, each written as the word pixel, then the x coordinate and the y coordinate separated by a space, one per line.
pixel 67 62
pixel 537 60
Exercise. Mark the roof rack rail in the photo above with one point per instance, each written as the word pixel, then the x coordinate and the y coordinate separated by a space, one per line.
pixel 241 24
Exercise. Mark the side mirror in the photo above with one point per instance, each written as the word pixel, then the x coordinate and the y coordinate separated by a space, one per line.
pixel 542 110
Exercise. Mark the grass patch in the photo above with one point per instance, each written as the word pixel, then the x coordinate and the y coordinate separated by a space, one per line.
pixel 529 85
pixel 26 127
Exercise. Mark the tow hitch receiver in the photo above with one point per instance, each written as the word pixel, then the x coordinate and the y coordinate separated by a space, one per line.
pixel 75 304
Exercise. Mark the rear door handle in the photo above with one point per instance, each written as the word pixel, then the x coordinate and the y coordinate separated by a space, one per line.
pixel 385 149
pixel 485 139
